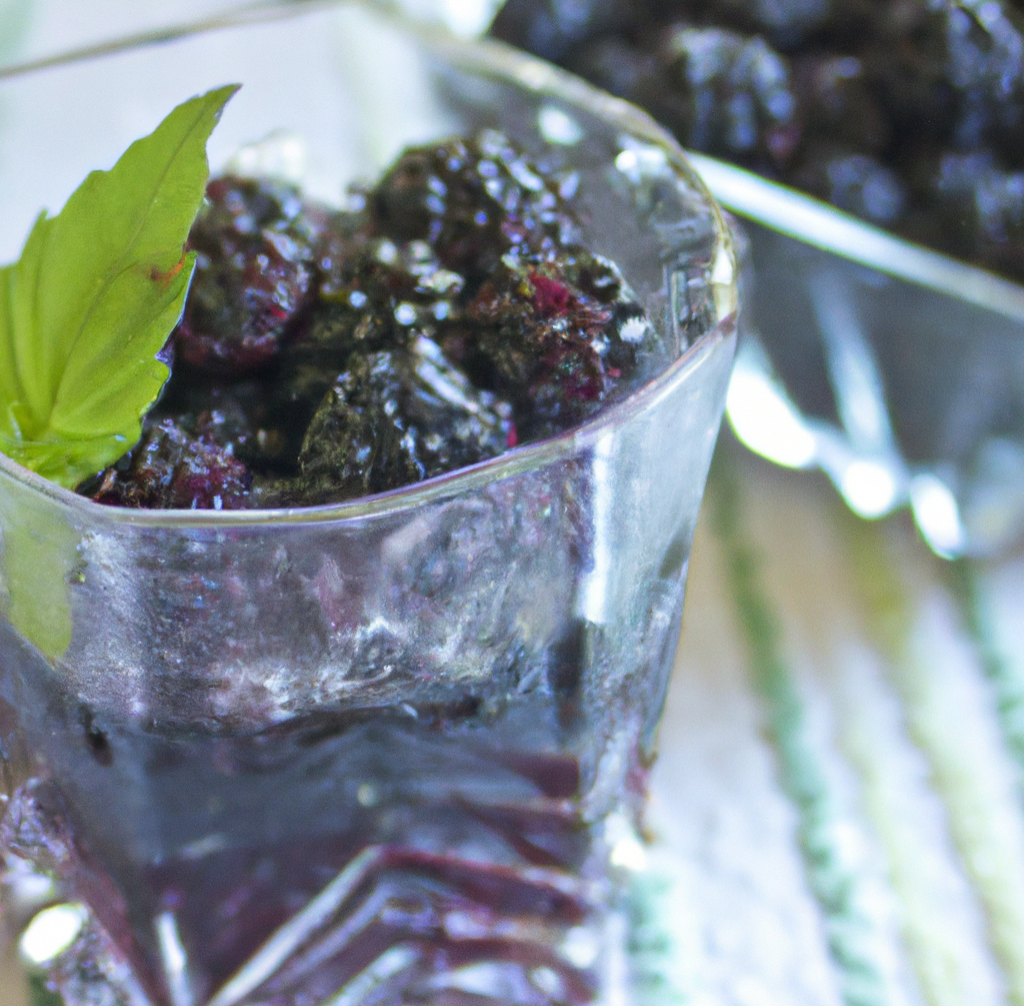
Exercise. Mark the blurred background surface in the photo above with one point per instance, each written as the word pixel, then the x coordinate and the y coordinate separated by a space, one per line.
pixel 837 816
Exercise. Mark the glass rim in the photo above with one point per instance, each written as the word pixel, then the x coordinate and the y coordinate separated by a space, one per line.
pixel 479 56
pixel 811 221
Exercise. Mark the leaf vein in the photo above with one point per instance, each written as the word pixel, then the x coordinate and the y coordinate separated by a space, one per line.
pixel 109 280
pixel 78 331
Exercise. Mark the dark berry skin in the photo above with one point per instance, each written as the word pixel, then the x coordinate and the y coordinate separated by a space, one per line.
pixel 374 297
pixel 472 201
pixel 173 468
pixel 736 100
pixel 394 418
pixel 856 183
pixel 873 105
pixel 840 102
pixel 380 292
pixel 329 356
pixel 255 252
pixel 545 335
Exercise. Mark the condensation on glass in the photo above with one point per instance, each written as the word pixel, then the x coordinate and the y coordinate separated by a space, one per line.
pixel 389 751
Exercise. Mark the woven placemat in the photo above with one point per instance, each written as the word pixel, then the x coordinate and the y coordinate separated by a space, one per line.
pixel 840 786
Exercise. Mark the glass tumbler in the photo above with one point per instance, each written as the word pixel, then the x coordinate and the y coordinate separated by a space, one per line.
pixel 394 750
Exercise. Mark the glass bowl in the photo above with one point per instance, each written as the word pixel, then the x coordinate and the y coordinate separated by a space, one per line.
pixel 896 370
pixel 392 750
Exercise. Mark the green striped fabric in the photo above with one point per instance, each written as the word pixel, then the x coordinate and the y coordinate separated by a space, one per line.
pixel 840 785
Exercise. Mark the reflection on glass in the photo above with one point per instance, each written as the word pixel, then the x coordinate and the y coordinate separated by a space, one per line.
pixel 392 750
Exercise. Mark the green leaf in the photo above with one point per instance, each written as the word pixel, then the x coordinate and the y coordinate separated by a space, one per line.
pixel 38 557
pixel 93 298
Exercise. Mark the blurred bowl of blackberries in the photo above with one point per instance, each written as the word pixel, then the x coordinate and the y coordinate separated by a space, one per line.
pixel 906 113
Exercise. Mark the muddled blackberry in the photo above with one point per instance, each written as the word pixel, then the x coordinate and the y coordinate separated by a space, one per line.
pixel 472 201
pixel 983 209
pixel 379 292
pixel 374 295
pixel 726 93
pixel 447 316
pixel 255 250
pixel 395 417
pixel 873 105
pixel 856 183
pixel 554 337
pixel 174 467
pixel 840 104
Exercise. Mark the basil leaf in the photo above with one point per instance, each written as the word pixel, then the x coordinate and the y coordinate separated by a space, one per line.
pixel 93 298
